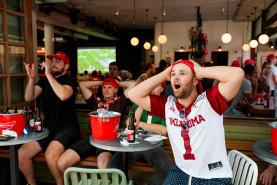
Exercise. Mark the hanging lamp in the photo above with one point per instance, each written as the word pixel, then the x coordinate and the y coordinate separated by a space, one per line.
pixel 162 39
pixel 147 44
pixel 226 37
pixel 263 38
pixel 134 41
pixel 254 43
pixel 246 46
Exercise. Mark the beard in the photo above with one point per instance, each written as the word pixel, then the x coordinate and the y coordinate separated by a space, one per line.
pixel 57 72
pixel 185 92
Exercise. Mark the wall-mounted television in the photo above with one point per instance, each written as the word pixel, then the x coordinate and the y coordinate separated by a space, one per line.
pixel 95 58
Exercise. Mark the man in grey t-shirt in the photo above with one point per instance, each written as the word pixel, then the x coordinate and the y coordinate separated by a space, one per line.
pixel 247 92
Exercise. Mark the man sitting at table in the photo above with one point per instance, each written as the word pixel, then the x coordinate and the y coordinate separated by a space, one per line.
pixel 247 93
pixel 83 148
pixel 194 119
pixel 58 92
pixel 157 157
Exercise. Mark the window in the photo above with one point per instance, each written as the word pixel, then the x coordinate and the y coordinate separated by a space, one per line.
pixel 15 48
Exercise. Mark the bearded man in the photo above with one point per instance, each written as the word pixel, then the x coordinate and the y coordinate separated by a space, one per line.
pixel 194 119
pixel 58 92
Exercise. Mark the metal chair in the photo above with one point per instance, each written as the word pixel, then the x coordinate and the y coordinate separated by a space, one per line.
pixel 90 177
pixel 245 170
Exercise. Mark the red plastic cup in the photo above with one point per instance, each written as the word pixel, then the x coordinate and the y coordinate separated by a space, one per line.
pixel 273 130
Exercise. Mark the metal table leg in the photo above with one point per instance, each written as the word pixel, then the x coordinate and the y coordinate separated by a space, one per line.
pixel 14 165
pixel 125 163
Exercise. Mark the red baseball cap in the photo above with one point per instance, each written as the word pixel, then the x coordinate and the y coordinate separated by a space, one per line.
pixel 61 56
pixel 270 57
pixel 235 63
pixel 191 66
pixel 110 81
pixel 249 61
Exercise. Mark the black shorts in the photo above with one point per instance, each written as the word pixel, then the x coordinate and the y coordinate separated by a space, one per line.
pixel 84 149
pixel 66 136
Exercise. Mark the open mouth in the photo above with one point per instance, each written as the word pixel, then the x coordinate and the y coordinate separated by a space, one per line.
pixel 177 86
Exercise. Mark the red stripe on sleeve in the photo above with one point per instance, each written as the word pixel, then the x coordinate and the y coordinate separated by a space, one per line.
pixel 216 100
pixel 158 106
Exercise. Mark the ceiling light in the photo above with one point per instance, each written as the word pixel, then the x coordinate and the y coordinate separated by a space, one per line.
pixel 162 39
pixel 263 39
pixel 155 49
pixel 245 47
pixel 134 41
pixel 117 12
pixel 253 43
pixel 226 37
pixel 272 47
pixel 147 45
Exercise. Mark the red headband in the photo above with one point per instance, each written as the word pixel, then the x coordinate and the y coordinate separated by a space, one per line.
pixel 110 81
pixel 191 66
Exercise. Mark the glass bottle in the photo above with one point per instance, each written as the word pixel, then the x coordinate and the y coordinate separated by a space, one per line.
pixel 31 119
pixel 38 124
pixel 131 127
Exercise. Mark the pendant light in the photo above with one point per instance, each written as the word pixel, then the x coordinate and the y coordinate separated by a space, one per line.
pixel 254 43
pixel 134 41
pixel 147 44
pixel 246 46
pixel 226 37
pixel 162 39
pixel 155 48
pixel 263 38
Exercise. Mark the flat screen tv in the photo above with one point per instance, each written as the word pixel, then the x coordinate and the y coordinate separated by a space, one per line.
pixel 95 58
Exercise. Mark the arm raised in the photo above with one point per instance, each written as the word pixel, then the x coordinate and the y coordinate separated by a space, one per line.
pixel 140 93
pixel 85 87
pixel 230 79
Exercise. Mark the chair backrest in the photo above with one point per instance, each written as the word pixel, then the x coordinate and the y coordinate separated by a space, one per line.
pixel 245 170
pixel 90 176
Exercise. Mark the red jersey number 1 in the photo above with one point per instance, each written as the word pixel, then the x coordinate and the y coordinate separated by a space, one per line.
pixel 188 155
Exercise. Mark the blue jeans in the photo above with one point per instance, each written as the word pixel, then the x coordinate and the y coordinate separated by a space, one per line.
pixel 177 177
pixel 157 157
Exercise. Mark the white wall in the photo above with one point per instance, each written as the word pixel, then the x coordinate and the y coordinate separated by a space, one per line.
pixel 177 32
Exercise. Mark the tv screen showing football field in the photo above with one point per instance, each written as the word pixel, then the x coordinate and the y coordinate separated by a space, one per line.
pixel 95 59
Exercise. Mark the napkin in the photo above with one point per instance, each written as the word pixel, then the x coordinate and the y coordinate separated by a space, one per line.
pixel 155 138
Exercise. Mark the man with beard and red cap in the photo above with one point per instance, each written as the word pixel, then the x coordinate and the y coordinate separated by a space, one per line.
pixel 194 119
pixel 57 90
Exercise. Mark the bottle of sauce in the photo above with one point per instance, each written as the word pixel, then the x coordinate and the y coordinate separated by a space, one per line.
pixel 131 127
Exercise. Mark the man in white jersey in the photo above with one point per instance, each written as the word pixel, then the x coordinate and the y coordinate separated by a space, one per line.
pixel 194 119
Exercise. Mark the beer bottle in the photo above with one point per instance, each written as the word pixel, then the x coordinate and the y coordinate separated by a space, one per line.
pixel 26 115
pixel 131 127
pixel 38 121
pixel 15 110
pixel 31 119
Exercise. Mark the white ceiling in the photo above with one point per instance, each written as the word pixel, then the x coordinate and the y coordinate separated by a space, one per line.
pixel 176 10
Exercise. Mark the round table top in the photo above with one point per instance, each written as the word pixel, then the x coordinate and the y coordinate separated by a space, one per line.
pixel 21 139
pixel 263 150
pixel 115 145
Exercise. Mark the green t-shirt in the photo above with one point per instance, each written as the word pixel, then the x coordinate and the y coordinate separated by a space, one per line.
pixel 149 119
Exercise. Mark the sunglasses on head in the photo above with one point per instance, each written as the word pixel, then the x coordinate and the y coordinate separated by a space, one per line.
pixel 184 123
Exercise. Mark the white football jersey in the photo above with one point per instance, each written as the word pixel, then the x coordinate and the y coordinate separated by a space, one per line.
pixel 199 150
